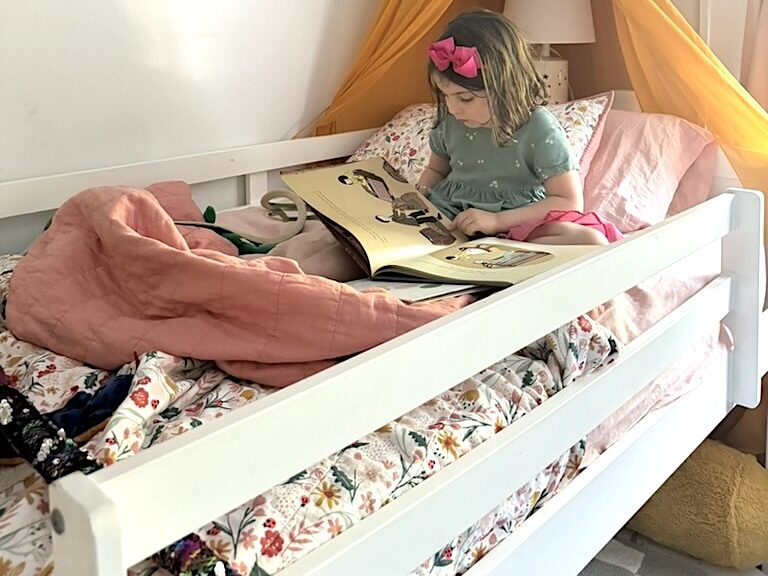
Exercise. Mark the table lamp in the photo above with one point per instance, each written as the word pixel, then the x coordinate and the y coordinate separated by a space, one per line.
pixel 547 22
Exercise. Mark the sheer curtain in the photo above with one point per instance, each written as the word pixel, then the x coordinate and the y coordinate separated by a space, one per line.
pixel 754 61
pixel 399 25
pixel 672 71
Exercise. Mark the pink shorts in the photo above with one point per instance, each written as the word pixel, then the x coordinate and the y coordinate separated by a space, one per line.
pixel 588 219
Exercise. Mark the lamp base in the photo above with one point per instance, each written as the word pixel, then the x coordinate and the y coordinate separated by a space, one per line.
pixel 554 72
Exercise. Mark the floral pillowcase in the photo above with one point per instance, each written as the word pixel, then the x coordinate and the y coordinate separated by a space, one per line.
pixel 404 140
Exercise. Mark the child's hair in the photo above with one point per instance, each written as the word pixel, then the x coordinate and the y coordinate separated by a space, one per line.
pixel 507 74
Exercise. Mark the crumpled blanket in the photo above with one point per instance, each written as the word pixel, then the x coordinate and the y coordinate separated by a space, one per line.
pixel 114 277
pixel 169 396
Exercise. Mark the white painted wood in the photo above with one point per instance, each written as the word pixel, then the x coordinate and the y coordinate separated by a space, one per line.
pixel 625 100
pixel 743 258
pixel 82 520
pixel 438 509
pixel 44 193
pixel 575 524
pixel 347 388
pixel 255 185
pixel 116 82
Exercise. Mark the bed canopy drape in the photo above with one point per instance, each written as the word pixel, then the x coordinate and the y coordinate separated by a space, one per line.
pixel 670 68
pixel 399 25
pixel 673 71
pixel 389 72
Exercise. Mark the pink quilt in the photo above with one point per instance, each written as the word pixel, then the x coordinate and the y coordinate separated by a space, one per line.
pixel 113 277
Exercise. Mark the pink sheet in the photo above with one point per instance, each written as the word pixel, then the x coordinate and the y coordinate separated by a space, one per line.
pixel 634 311
pixel 113 277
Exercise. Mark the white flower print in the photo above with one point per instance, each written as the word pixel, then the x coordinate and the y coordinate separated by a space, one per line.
pixel 533 145
pixel 494 184
pixel 45 449
pixel 6 412
pixel 517 164
pixel 481 161
pixel 549 141
pixel 471 135
pixel 459 162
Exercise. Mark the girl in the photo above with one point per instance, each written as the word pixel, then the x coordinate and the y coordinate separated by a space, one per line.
pixel 500 162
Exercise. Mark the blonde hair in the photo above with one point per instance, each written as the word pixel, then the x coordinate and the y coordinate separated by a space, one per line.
pixel 507 75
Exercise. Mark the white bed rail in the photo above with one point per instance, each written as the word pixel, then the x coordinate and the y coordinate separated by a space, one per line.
pixel 104 516
pixel 48 192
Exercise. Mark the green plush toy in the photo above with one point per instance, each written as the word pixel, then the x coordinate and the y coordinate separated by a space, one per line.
pixel 243 245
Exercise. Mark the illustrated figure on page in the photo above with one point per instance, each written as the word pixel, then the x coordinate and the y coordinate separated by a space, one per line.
pixel 494 256
pixel 411 210
pixel 370 182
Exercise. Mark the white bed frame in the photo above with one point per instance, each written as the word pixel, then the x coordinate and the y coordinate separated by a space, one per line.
pixel 100 520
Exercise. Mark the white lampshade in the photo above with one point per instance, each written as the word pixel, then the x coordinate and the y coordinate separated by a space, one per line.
pixel 552 21
pixel 546 22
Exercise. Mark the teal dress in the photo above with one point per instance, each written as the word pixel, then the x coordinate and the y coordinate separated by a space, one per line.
pixel 496 178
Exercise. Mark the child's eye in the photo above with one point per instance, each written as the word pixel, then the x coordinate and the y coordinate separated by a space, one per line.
pixel 466 99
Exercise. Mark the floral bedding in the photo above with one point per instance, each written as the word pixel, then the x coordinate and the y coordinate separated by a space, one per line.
pixel 167 396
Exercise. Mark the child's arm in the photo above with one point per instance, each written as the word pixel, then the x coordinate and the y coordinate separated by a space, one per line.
pixel 564 192
pixel 436 170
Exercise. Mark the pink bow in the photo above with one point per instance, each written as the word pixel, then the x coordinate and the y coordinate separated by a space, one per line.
pixel 444 52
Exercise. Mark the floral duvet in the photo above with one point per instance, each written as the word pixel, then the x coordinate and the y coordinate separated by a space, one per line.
pixel 166 396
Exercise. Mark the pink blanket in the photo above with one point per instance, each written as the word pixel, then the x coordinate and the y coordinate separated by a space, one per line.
pixel 113 277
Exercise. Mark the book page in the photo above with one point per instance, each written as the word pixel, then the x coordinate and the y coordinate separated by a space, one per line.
pixel 370 200
pixel 491 261
pixel 415 291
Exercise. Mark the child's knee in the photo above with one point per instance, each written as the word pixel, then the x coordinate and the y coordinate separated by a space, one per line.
pixel 567 233
pixel 591 236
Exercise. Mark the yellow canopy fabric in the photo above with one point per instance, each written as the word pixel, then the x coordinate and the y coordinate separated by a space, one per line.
pixel 398 26
pixel 390 72
pixel 672 71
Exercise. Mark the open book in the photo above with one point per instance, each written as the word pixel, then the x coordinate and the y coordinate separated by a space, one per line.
pixel 395 233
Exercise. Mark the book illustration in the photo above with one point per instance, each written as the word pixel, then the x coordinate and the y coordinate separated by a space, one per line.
pixel 490 255
pixel 370 182
pixel 410 210
pixel 395 233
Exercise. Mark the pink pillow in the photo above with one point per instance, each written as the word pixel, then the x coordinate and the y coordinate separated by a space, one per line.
pixel 696 183
pixel 640 163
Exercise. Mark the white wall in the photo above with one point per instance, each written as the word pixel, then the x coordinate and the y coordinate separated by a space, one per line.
pixel 96 83
pixel 703 15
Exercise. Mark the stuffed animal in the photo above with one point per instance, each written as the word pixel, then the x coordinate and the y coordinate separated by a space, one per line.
pixel 714 507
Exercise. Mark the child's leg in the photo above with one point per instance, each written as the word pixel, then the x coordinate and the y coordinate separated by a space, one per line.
pixel 566 233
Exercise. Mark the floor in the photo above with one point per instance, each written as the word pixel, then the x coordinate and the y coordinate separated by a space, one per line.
pixel 630 554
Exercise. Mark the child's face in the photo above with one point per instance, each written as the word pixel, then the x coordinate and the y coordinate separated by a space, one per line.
pixel 471 108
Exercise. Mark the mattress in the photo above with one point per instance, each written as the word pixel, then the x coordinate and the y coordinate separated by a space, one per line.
pixel 170 395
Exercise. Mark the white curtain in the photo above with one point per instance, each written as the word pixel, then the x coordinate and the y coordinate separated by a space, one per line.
pixel 754 60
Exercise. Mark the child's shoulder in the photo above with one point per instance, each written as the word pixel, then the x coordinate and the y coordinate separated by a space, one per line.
pixel 540 123
pixel 541 116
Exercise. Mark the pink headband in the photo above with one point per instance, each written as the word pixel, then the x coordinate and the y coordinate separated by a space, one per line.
pixel 444 53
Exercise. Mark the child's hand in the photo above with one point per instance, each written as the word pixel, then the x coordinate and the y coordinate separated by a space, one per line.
pixel 473 221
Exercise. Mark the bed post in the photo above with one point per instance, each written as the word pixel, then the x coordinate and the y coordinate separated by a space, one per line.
pixel 87 539
pixel 742 259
